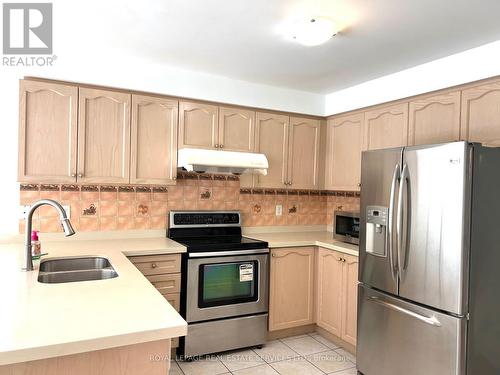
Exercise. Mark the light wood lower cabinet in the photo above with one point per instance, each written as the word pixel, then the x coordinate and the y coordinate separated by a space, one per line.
pixel 329 291
pixel 336 304
pixel 291 287
pixel 153 151
pixel 48 121
pixel 164 272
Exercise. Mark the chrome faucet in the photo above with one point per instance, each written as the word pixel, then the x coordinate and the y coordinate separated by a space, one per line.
pixel 65 223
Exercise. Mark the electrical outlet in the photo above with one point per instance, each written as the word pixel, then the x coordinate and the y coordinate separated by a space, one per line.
pixel 279 210
pixel 23 211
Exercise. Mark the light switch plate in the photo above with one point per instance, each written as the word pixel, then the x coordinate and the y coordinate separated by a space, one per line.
pixel 279 210
pixel 23 211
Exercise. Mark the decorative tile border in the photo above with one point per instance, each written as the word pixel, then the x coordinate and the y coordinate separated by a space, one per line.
pixel 29 187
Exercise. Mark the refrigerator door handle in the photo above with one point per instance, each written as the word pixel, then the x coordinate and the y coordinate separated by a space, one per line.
pixel 433 321
pixel 389 237
pixel 399 217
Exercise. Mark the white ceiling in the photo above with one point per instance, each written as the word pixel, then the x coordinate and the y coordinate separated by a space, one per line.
pixel 238 39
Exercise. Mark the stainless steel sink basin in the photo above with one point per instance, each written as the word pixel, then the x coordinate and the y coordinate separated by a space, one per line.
pixel 73 269
pixel 74 264
pixel 74 276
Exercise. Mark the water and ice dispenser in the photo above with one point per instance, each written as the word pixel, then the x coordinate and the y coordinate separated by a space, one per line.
pixel 376 228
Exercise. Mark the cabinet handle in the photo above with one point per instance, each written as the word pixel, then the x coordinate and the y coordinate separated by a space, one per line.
pixel 174 178
pixel 343 260
pixel 221 146
pixel 73 175
pixel 359 184
pixel 153 265
pixel 339 259
pixel 80 174
pixel 216 146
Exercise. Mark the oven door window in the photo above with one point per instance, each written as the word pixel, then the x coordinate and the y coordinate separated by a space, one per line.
pixel 228 283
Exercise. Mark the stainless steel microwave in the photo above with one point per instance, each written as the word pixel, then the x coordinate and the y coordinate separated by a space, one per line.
pixel 346 226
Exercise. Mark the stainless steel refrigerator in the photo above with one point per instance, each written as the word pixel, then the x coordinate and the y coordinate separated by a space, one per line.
pixel 429 273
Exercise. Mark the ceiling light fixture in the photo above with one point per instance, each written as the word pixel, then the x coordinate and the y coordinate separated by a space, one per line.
pixel 313 32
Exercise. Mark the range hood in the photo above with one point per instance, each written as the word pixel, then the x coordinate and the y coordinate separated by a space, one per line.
pixel 217 161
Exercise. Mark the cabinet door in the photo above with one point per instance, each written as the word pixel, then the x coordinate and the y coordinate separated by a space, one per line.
pixel 291 288
pixel 303 155
pixel 153 158
pixel 435 119
pixel 329 291
pixel 236 129
pixel 271 139
pixel 198 125
pixel 386 127
pixel 343 152
pixel 103 136
pixel 47 132
pixel 349 298
pixel 481 114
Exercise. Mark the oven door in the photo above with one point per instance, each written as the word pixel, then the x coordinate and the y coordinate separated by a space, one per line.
pixel 226 286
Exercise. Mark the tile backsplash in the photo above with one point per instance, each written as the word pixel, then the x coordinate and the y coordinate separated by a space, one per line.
pixel 103 207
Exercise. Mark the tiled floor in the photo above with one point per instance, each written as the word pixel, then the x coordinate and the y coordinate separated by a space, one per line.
pixel 309 354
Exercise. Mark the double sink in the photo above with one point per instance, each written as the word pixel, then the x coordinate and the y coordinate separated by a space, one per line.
pixel 73 269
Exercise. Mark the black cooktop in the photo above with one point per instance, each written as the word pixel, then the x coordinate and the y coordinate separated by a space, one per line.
pixel 220 243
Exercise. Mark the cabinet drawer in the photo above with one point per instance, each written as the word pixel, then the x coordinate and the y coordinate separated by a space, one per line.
pixel 174 299
pixel 168 283
pixel 157 264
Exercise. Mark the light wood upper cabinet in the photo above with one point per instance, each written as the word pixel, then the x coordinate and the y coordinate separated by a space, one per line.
pixel 344 144
pixel 153 153
pixel 349 298
pixel 103 136
pixel 198 125
pixel 329 291
pixel 271 139
pixel 435 119
pixel 303 155
pixel 386 127
pixel 236 129
pixel 291 287
pixel 481 114
pixel 47 132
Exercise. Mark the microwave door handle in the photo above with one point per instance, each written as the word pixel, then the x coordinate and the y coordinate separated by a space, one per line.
pixel 390 222
pixel 399 219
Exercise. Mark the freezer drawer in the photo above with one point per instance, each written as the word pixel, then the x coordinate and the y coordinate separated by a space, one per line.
pixel 396 337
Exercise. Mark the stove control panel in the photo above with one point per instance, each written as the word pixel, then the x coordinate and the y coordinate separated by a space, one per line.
pixel 204 218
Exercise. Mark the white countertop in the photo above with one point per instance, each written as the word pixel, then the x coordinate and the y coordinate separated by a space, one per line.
pixel 49 320
pixel 306 238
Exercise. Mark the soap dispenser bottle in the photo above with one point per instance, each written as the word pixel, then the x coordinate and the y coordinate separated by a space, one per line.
pixel 36 246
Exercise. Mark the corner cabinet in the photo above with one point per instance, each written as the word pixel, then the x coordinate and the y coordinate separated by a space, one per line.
pixel 435 119
pixel 153 153
pixel 303 153
pixel 103 136
pixel 344 144
pixel 336 304
pixel 291 300
pixel 481 114
pixel 271 139
pixel 48 120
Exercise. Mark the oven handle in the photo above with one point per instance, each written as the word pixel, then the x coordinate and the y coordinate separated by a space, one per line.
pixel 227 253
